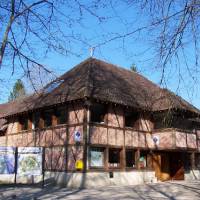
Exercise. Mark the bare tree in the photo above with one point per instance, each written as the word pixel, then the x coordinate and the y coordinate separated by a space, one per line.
pixel 172 30
pixel 50 25
pixel 32 29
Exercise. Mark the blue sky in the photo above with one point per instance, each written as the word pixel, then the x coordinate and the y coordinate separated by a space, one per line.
pixel 138 49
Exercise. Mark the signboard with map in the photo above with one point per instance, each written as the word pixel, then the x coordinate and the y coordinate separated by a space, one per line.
pixel 29 161
pixel 7 160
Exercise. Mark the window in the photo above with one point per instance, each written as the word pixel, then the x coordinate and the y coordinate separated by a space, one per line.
pixel 23 122
pixel 130 158
pixel 61 114
pixel 96 157
pixel 48 118
pixel 37 120
pixel 53 85
pixel 98 113
pixel 114 157
pixel 130 119
pixel 143 159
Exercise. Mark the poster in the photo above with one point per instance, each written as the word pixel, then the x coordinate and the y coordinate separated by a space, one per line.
pixel 29 161
pixel 7 160
pixel 96 159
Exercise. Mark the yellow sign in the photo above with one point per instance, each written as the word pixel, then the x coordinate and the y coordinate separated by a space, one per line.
pixel 79 165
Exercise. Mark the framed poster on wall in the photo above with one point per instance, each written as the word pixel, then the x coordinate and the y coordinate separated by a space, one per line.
pixel 29 160
pixel 7 160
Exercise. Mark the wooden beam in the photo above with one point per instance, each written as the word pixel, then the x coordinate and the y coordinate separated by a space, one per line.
pixel 137 158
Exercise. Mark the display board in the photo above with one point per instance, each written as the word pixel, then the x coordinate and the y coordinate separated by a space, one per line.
pixel 96 158
pixel 7 160
pixel 29 161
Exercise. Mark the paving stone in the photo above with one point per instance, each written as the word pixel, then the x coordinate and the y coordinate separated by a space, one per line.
pixel 177 190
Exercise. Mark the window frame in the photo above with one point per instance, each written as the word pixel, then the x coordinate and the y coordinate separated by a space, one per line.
pixel 134 156
pixel 60 110
pixel 132 116
pixel 45 113
pixel 103 113
pixel 120 158
pixel 103 150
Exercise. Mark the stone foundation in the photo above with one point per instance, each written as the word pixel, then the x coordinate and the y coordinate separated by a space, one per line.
pixel 192 175
pixel 101 179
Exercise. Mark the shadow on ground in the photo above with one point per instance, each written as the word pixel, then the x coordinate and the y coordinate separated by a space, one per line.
pixel 168 190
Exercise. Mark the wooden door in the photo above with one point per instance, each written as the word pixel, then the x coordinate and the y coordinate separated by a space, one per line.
pixel 176 166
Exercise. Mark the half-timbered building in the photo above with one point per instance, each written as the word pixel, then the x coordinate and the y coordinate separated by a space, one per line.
pixel 104 125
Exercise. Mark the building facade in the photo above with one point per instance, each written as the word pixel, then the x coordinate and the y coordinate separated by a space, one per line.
pixel 102 125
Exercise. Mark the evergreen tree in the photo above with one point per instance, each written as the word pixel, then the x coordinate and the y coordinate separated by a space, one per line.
pixel 18 91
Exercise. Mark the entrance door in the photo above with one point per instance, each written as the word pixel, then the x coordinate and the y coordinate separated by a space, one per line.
pixel 168 166
pixel 176 166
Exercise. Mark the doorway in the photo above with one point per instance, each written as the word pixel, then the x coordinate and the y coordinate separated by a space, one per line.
pixel 168 165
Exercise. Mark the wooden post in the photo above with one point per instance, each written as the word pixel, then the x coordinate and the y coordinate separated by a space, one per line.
pixel 106 159
pixel 86 135
pixel 54 120
pixel 192 160
pixel 16 156
pixel 43 166
pixel 123 158
pixel 137 158
pixel 29 123
pixel 67 140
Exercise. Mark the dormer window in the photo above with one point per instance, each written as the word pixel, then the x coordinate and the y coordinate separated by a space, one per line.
pixel 98 113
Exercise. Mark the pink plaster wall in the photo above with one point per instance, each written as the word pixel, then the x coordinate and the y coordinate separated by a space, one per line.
pixel 198 134
pixel 141 139
pixel 149 140
pixel 58 158
pixel 48 158
pixel 115 137
pixel 45 138
pixel 115 116
pixel 165 139
pixel 15 140
pixel 74 154
pixel 98 135
pixel 25 139
pixel 191 140
pixel 59 136
pixel 145 124
pixel 180 139
pixel 55 158
pixel 131 138
pixel 3 141
pixel 75 114
pixel 198 143
pixel 12 127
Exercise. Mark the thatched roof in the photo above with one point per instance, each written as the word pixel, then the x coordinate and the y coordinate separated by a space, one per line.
pixel 97 79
